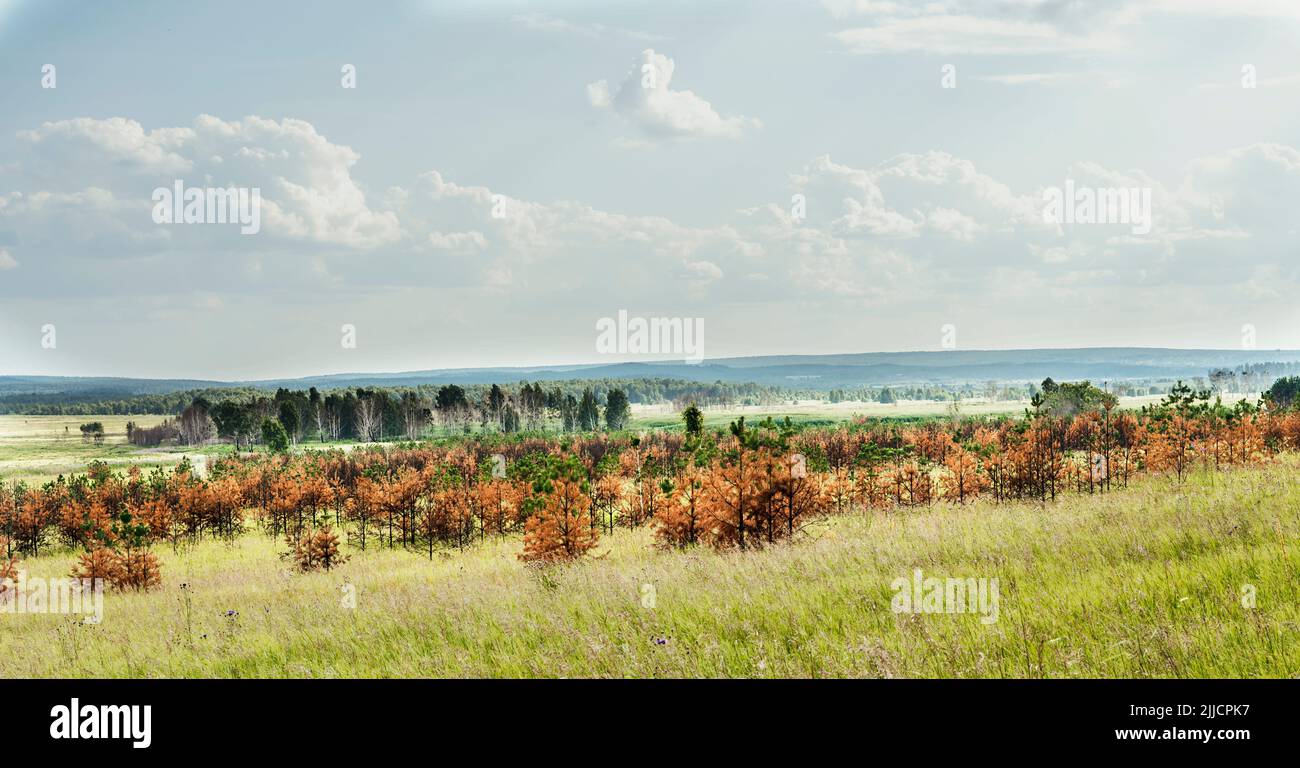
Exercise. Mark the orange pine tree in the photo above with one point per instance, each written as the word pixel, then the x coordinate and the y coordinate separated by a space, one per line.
pixel 964 481
pixel 560 529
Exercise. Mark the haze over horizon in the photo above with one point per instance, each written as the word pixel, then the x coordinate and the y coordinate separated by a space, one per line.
pixel 923 203
pixel 931 357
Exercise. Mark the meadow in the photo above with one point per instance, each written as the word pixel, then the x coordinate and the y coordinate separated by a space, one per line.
pixel 39 448
pixel 1146 582
pixel 1179 565
pixel 663 415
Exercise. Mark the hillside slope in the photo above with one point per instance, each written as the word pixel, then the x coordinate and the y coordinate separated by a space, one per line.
pixel 1147 582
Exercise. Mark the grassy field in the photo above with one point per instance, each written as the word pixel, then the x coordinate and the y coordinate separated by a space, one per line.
pixel 1146 582
pixel 816 411
pixel 40 448
pixel 824 412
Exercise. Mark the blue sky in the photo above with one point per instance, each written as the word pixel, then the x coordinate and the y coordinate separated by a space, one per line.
pixel 923 202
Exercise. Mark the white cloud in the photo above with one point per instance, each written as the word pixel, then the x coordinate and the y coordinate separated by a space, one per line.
pixel 541 22
pixel 947 34
pixel 457 241
pixel 910 193
pixel 118 140
pixel 1280 9
pixel 306 184
pixel 1251 188
pixel 1020 27
pixel 645 99
pixel 1026 78
pixel 1280 81
pixel 842 9
pixel 906 234
pixel 952 223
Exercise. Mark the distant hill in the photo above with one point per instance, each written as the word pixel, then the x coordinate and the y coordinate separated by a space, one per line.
pixel 814 372
pixel 107 386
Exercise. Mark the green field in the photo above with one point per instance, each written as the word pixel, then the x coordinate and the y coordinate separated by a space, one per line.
pixel 1146 582
pixel 39 448
pixel 823 412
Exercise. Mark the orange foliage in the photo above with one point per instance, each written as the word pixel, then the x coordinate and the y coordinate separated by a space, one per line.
pixel 562 528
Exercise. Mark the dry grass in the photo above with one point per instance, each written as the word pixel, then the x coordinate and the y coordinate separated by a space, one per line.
pixel 1144 582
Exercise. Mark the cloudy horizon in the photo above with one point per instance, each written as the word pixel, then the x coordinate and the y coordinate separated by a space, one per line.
pixel 846 176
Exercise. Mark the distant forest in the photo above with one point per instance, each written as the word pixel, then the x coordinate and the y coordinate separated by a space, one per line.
pixel 292 416
pixel 639 390
pixel 679 392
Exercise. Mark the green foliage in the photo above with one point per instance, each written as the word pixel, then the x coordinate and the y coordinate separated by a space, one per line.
pixel 273 434
pixel 617 409
pixel 588 411
pixel 133 535
pixel 509 420
pixel 449 398
pixel 1285 393
pixel 289 418
pixel 1070 398
pixel 694 420
pixel 1185 401
pixel 233 421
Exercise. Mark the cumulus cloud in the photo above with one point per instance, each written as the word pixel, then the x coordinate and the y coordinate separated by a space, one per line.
pixel 557 247
pixel 646 100
pixel 910 194
pixel 868 230
pixel 309 195
pixel 1251 188
pixel 906 234
pixel 123 142
pixel 306 183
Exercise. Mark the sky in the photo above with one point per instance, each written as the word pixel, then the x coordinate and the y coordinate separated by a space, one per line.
pixel 802 177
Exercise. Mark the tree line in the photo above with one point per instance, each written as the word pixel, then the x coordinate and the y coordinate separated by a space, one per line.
pixel 290 417
pixel 638 390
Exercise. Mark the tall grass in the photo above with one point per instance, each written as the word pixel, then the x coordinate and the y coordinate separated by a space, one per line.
pixel 1146 582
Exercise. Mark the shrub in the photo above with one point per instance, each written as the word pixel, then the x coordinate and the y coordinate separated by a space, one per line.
pixel 8 571
pixel 138 569
pixel 99 563
pixel 316 550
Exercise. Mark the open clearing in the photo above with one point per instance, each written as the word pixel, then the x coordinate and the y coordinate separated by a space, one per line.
pixel 39 448
pixel 664 414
